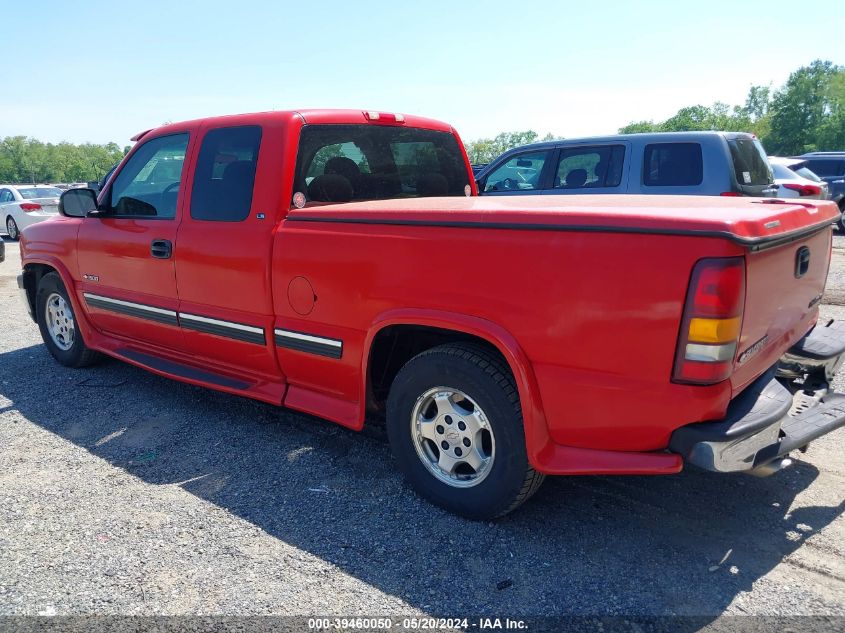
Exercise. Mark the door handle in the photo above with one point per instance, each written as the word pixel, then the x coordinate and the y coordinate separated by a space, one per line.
pixel 161 249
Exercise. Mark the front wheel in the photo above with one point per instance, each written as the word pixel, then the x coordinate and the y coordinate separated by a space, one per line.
pixel 58 326
pixel 12 228
pixel 455 427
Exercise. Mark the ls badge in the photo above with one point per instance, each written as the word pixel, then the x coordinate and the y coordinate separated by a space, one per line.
pixel 752 351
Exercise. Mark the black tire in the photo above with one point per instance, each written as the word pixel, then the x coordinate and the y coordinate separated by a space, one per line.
pixel 12 229
pixel 79 354
pixel 487 380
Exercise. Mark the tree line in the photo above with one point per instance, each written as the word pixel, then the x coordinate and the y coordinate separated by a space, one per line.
pixel 806 114
pixel 27 160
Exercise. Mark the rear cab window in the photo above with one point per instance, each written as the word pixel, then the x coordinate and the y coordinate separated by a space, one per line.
pixel 351 162
pixel 751 167
pixel 33 193
pixel 672 165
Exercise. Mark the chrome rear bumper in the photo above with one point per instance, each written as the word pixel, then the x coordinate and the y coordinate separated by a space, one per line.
pixel 783 410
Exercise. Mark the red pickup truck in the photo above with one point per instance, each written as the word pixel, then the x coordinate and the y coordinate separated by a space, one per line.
pixel 340 264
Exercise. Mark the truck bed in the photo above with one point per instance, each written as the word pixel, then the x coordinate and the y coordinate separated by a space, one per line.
pixel 751 221
pixel 591 287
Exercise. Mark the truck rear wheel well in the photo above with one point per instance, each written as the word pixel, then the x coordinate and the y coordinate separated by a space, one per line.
pixel 395 345
pixel 32 274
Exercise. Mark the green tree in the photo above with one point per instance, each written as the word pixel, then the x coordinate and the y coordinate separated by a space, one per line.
pixel 27 160
pixel 807 112
pixel 640 126
pixel 486 149
pixel 757 102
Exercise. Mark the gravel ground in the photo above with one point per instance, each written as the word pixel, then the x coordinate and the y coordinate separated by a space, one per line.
pixel 125 493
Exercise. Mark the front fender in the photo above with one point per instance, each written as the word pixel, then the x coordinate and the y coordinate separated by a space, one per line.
pixel 58 266
pixel 534 420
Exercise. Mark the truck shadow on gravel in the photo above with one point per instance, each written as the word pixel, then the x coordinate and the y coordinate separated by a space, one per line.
pixel 684 544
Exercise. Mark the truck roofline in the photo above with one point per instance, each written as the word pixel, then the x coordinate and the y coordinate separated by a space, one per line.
pixel 308 116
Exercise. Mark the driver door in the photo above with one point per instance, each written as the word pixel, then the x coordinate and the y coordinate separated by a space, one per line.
pixel 526 173
pixel 125 252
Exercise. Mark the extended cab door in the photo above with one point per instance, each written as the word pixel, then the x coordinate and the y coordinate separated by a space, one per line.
pixel 125 252
pixel 223 251
pixel 580 169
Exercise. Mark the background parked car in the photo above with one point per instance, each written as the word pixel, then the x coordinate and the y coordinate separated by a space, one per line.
pixel 792 184
pixel 830 167
pixel 691 163
pixel 22 205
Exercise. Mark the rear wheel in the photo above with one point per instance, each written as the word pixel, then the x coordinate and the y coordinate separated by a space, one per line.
pixel 12 228
pixel 455 426
pixel 58 326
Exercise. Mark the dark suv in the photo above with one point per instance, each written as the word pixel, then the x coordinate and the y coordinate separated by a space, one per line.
pixel 685 163
pixel 830 167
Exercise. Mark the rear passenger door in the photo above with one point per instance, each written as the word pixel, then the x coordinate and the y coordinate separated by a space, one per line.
pixel 223 254
pixel 589 169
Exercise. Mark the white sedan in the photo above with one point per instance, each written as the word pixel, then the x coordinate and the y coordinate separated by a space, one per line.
pixel 794 180
pixel 22 205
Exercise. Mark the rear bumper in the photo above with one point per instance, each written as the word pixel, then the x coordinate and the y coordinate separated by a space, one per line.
pixel 785 409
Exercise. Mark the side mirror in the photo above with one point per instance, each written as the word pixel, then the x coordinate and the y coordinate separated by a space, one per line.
pixel 479 184
pixel 77 203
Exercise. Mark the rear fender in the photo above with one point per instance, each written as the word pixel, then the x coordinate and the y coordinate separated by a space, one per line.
pixel 534 420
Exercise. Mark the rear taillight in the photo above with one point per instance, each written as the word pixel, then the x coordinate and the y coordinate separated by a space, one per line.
pixel 30 206
pixel 711 321
pixel 803 190
pixel 731 194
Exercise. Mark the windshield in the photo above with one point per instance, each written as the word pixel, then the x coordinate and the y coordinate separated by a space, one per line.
pixel 344 163
pixel 39 192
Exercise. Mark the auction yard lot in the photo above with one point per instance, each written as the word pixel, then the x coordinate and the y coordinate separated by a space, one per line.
pixel 125 493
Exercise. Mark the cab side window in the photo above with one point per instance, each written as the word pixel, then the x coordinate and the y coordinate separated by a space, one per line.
pixel 6 196
pixel 225 174
pixel 148 185
pixel 520 173
pixel 672 165
pixel 590 167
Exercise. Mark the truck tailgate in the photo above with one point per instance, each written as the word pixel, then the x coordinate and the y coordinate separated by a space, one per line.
pixel 784 285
